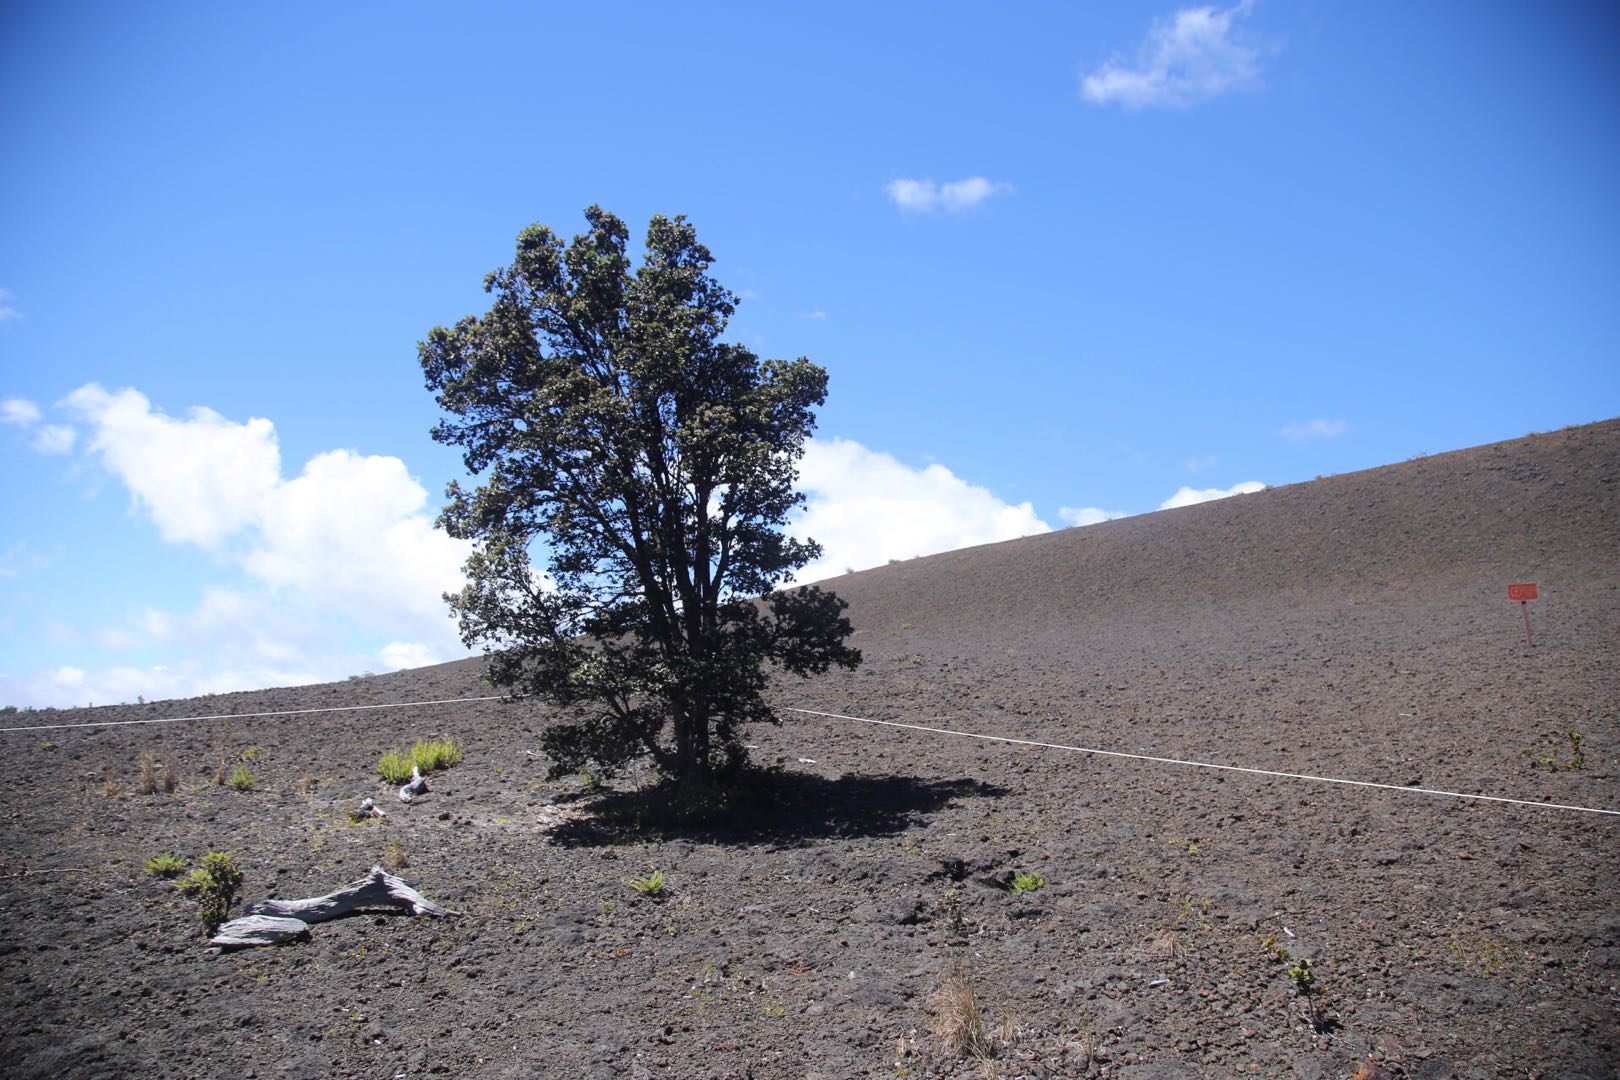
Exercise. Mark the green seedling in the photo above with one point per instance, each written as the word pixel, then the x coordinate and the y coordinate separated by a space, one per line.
pixel 651 886
pixel 166 865
pixel 1023 882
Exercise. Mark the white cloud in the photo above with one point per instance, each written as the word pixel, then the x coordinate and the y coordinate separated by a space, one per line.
pixel 1320 428
pixel 925 196
pixel 19 411
pixel 7 312
pixel 399 655
pixel 866 508
pixel 67 686
pixel 345 550
pixel 54 439
pixel 1190 58
pixel 1089 515
pixel 1192 496
pixel 50 439
pixel 1199 464
pixel 201 479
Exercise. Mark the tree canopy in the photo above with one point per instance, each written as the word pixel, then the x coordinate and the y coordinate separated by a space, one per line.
pixel 649 465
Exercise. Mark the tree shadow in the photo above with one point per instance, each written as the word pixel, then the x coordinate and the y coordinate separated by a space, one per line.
pixel 774 807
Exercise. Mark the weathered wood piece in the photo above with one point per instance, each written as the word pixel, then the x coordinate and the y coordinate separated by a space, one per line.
pixel 259 930
pixel 379 889
pixel 414 787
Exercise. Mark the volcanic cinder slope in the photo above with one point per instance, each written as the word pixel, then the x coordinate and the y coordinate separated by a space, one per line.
pixel 1355 627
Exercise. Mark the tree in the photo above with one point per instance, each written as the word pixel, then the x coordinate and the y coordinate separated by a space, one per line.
pixel 652 464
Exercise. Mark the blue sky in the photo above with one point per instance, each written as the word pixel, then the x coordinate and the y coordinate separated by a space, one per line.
pixel 1059 264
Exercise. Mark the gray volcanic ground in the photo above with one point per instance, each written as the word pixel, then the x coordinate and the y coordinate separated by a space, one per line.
pixel 1355 627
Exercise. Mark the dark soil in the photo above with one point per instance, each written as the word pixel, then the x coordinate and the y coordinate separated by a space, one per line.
pixel 1354 627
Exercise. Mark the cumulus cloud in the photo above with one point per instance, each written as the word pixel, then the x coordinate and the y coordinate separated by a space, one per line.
pixel 19 411
pixel 925 196
pixel 1188 496
pixel 201 479
pixel 345 549
pixel 1089 515
pixel 1191 57
pixel 865 508
pixel 1320 428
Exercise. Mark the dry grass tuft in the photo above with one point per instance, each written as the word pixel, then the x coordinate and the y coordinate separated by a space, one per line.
pixel 394 858
pixel 155 774
pixel 957 1023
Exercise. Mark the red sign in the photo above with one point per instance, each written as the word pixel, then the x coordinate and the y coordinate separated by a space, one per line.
pixel 1522 591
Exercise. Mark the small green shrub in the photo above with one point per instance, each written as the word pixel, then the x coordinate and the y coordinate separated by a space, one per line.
pixel 1023 882
pixel 241 779
pixel 428 755
pixel 1548 759
pixel 166 865
pixel 253 753
pixel 395 767
pixel 652 885
pixel 213 885
pixel 432 755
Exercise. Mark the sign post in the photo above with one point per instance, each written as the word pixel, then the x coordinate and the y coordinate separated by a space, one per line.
pixel 1523 592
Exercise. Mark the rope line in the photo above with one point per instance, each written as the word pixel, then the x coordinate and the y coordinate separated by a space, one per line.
pixel 881 723
pixel 249 715
pixel 1206 764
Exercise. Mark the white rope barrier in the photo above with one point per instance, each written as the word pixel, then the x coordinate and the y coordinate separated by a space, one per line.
pixel 1009 740
pixel 1206 764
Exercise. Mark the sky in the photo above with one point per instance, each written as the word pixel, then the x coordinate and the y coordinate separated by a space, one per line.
pixel 1062 262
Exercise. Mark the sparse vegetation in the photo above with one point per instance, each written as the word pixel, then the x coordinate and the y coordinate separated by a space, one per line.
pixel 394 857
pixel 432 755
pixel 252 753
pixel 395 767
pixel 1550 760
pixel 951 904
pixel 957 1023
pixel 1301 973
pixel 154 775
pixel 428 755
pixel 166 865
pixel 650 886
pixel 241 779
pixel 214 885
pixel 1024 882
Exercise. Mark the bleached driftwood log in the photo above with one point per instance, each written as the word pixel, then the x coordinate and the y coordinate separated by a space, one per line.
pixel 368 808
pixel 414 787
pixel 378 889
pixel 259 930
pixel 271 921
